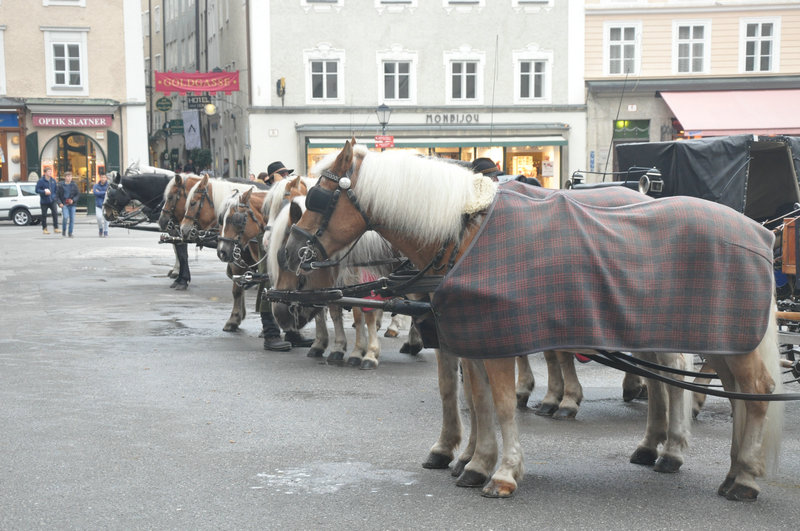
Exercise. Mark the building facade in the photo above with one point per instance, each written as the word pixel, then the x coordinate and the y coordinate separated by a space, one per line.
pixel 71 88
pixel 462 80
pixel 665 70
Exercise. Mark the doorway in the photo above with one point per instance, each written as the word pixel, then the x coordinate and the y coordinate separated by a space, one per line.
pixel 76 153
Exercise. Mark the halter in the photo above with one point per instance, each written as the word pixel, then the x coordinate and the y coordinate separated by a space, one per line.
pixel 324 202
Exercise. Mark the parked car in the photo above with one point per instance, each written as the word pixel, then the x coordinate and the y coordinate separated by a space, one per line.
pixel 19 202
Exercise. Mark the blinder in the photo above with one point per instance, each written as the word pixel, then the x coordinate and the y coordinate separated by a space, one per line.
pixel 319 199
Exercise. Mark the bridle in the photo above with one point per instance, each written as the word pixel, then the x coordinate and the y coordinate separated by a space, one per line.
pixel 238 220
pixel 323 202
pixel 171 205
pixel 195 232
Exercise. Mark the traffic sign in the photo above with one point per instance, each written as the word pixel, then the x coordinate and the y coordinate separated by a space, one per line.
pixel 163 104
pixel 384 141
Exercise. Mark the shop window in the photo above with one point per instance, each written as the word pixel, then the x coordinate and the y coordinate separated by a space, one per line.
pixel 632 130
pixel 77 153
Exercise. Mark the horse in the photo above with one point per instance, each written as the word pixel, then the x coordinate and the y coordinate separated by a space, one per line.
pixel 244 221
pixel 432 212
pixel 148 189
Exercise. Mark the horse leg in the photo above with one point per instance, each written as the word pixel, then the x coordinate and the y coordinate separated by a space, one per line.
pixel 678 418
pixel 555 386
pixel 443 451
pixel 500 373
pixel 633 387
pixel 336 356
pixel 360 347
pixel 573 392
pixel 320 343
pixel 469 450
pixel 413 344
pixel 699 399
pixel 173 273
pixel 525 381
pixel 398 322
pixel 373 351
pixel 238 312
pixel 655 431
pixel 482 448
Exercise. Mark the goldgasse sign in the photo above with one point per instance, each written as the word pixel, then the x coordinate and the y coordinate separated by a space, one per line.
pixel 197 82
pixel 72 120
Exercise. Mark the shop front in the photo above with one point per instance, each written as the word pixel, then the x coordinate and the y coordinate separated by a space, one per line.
pixel 12 150
pixel 532 156
pixel 82 142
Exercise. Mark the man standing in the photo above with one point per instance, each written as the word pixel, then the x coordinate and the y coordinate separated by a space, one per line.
pixel 67 195
pixel 99 191
pixel 46 187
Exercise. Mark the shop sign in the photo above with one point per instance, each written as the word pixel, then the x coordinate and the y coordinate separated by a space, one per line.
pixel 93 121
pixel 10 119
pixel 384 141
pixel 176 126
pixel 197 82
pixel 197 102
pixel 452 118
pixel 163 104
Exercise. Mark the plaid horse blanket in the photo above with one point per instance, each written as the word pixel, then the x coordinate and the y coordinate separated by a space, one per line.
pixel 607 269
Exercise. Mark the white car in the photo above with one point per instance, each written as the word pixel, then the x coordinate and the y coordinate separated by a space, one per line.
pixel 19 202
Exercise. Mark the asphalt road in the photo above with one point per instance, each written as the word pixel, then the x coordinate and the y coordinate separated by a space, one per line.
pixel 125 406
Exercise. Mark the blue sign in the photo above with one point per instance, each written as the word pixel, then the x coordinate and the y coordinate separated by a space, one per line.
pixel 591 161
pixel 9 119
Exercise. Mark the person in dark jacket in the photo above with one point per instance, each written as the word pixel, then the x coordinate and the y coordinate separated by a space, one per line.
pixel 67 197
pixel 99 191
pixel 46 187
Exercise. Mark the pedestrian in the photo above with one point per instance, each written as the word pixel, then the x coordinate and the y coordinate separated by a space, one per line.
pixel 252 177
pixel 67 195
pixel 225 169
pixel 47 187
pixel 99 191
pixel 277 172
pixel 189 167
pixel 264 178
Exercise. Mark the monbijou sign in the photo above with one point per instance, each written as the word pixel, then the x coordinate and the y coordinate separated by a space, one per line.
pixel 93 121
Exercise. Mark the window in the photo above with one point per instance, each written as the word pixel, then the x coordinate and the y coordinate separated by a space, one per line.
pixel 691 47
pixel 156 19
pixel 394 6
pixel 464 76
pixel 621 48
pixel 397 82
pixel 146 23
pixel 65 57
pixel 532 68
pixel 324 75
pixel 759 45
pixel 321 6
pixel 324 79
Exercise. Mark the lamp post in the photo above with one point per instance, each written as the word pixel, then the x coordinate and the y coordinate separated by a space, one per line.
pixel 383 112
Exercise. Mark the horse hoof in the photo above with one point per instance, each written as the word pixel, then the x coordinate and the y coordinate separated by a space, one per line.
pixel 498 489
pixel 471 479
pixel 314 352
pixel 336 358
pixel 546 410
pixel 353 361
pixel 644 456
pixel 633 394
pixel 726 486
pixel 522 401
pixel 565 413
pixel 742 493
pixel 390 333
pixel 668 464
pixel 411 350
pixel 230 327
pixel 459 468
pixel 368 365
pixel 437 461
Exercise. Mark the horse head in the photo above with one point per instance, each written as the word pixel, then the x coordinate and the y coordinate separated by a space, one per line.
pixel 200 214
pixel 117 198
pixel 174 204
pixel 333 218
pixel 242 223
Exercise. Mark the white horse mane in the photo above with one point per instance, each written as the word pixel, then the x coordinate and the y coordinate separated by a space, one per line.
pixel 137 168
pixel 421 197
pixel 221 190
pixel 275 197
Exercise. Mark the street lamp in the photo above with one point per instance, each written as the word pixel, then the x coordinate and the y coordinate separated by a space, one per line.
pixel 383 112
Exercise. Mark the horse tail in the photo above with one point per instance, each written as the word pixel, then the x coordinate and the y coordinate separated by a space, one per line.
pixel 772 431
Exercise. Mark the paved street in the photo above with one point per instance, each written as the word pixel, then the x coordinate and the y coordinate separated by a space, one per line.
pixel 125 406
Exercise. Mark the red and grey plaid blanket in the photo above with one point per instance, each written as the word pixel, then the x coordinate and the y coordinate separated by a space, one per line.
pixel 607 269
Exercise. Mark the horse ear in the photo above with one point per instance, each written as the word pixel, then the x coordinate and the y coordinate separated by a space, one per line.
pixel 353 140
pixel 204 181
pixel 295 212
pixel 178 179
pixel 344 160
pixel 246 196
pixel 117 178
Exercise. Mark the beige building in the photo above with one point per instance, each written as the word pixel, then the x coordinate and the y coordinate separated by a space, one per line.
pixel 71 87
pixel 664 70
